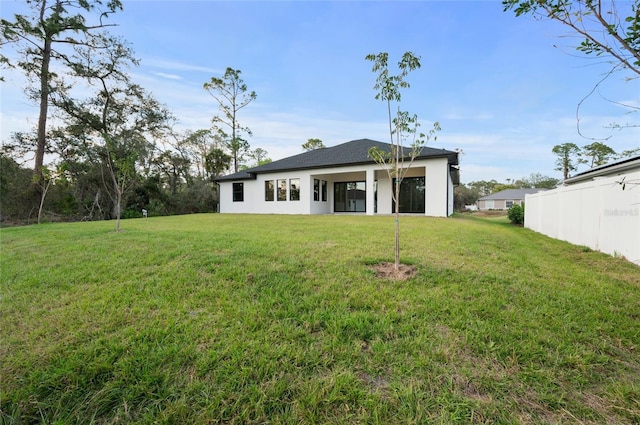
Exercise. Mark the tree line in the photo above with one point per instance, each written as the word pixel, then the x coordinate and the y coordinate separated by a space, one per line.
pixel 570 156
pixel 115 150
pixel 468 194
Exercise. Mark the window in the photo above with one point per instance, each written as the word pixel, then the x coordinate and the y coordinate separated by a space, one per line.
pixel 316 189
pixel 412 198
pixel 294 189
pixel 324 191
pixel 238 192
pixel 268 190
pixel 282 190
pixel 509 204
pixel 488 204
pixel 349 197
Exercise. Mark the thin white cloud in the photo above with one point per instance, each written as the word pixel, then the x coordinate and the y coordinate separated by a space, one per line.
pixel 168 76
pixel 178 66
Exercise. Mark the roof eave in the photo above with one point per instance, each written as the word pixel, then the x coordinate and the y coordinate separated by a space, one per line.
pixel 616 167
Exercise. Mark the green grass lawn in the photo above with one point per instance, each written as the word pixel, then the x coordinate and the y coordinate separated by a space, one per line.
pixel 279 319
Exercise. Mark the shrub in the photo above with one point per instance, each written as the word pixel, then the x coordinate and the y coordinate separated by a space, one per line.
pixel 516 214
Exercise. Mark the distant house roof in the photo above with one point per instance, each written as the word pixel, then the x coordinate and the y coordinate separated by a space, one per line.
pixel 349 153
pixel 510 194
pixel 607 169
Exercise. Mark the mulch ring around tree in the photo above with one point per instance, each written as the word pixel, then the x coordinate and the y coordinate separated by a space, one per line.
pixel 388 271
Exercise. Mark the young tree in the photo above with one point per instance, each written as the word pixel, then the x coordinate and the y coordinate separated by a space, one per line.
pixel 312 144
pixel 230 92
pixel 402 126
pixel 120 114
pixel 42 38
pixel 596 154
pixel 567 161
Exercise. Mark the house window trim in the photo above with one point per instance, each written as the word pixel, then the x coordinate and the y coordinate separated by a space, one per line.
pixel 236 192
pixel 269 191
pixel 294 190
pixel 316 190
pixel 281 190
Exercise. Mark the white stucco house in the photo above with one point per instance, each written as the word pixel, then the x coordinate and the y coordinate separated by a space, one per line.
pixel 342 179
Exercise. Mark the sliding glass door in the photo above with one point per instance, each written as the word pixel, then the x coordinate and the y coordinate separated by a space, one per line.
pixel 412 198
pixel 349 197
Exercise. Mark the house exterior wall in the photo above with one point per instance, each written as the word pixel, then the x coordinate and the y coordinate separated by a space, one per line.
pixel 385 203
pixel 438 196
pixel 437 181
pixel 254 195
pixel 595 213
pixel 496 204
pixel 450 193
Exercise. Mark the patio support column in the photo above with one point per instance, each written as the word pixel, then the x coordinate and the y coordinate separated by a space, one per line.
pixel 426 191
pixel 370 189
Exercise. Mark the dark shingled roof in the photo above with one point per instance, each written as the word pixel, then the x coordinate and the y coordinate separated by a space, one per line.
pixel 349 153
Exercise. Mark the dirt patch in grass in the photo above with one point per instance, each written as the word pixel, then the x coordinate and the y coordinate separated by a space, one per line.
pixel 376 383
pixel 388 271
pixel 490 213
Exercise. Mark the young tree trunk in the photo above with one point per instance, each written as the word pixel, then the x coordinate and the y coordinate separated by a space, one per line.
pixel 397 200
pixel 42 198
pixel 397 263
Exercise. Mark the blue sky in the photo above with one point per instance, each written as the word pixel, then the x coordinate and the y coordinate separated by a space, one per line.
pixel 504 89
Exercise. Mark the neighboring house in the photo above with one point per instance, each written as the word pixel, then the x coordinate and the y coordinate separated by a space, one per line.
pixel 599 209
pixel 342 179
pixel 504 199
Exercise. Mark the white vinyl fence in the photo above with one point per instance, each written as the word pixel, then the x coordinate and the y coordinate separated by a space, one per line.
pixel 597 213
